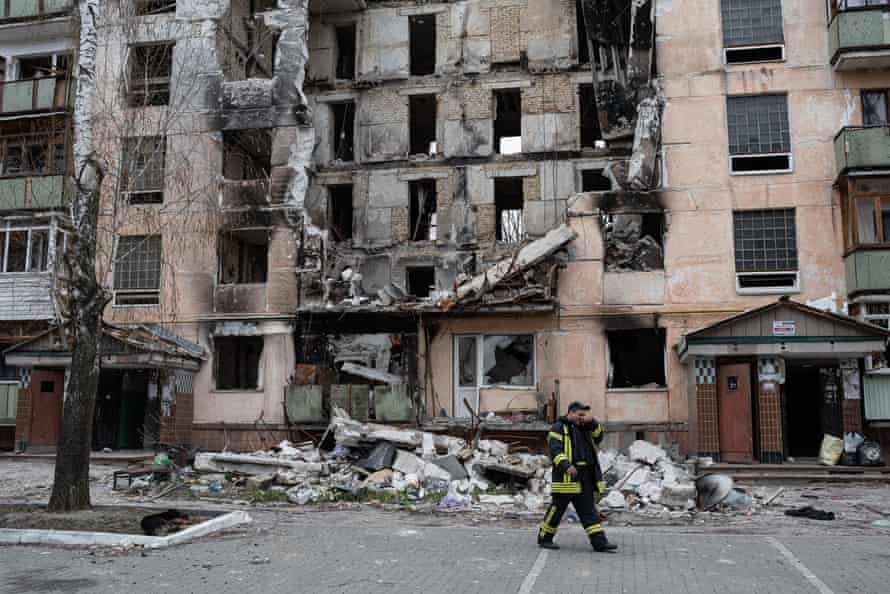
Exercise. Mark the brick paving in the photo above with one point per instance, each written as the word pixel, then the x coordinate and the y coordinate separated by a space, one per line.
pixel 370 552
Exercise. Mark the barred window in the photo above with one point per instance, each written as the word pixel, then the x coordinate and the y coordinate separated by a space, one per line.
pixel 765 240
pixel 138 266
pixel 142 164
pixel 758 124
pixel 751 22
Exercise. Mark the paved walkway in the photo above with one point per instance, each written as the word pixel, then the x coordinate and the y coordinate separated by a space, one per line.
pixel 371 552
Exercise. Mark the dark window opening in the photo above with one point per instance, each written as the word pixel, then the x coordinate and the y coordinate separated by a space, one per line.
pixel 340 216
pixel 581 28
pixel 17 251
pixel 35 67
pixel 746 55
pixel 47 387
pixel 247 154
pixel 422 122
pixel 508 121
pixel 346 52
pixel 590 123
pixel 767 281
pixel 508 360
pixel 344 131
pixel 509 203
pixel 149 71
pixel 754 164
pixel 237 361
pixel 421 280
pixel 142 169
pixel 243 256
pixel 593 180
pixel 636 358
pixel 423 210
pixel 144 7
pixel 874 108
pixel 423 44
pixel 634 241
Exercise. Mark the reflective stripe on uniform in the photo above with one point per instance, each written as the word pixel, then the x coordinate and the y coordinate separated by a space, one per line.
pixel 601 486
pixel 593 529
pixel 559 458
pixel 598 431
pixel 554 435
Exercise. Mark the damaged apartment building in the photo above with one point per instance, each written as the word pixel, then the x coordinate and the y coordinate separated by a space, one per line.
pixel 424 211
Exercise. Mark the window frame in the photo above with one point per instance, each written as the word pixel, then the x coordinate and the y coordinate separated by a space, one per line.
pixel 766 290
pixel 751 44
pixel 148 292
pixel 850 218
pixel 142 88
pixel 128 179
pixel 876 91
pixel 9 228
pixel 480 361
pixel 665 365
pixel 732 99
pixel 216 362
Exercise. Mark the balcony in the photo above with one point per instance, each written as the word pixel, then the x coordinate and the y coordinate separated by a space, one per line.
pixel 21 10
pixel 53 93
pixel 240 194
pixel 868 270
pixel 858 38
pixel 242 298
pixel 33 192
pixel 862 147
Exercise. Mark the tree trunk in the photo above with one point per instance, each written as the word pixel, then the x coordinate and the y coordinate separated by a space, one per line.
pixel 84 298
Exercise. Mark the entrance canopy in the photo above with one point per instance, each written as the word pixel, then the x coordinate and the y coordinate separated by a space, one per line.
pixel 788 329
pixel 123 347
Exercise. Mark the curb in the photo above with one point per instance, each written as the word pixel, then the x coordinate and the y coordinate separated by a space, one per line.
pixel 12 536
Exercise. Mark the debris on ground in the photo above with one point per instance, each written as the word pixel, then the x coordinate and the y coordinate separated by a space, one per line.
pixel 810 512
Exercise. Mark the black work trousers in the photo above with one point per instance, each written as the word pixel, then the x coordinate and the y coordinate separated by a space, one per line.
pixel 583 503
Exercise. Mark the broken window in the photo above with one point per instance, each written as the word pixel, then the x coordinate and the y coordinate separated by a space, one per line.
pixel 590 124
pixel 581 28
pixel 752 30
pixel 423 210
pixel 35 67
pixel 593 180
pixel 340 212
pixel 27 155
pixel 759 137
pixel 765 250
pixel 634 241
pixel 237 362
pixel 509 203
pixel 635 358
pixel 874 108
pixel 24 249
pixel 137 270
pixel 247 154
pixel 149 70
pixel 508 121
pixel 422 31
pixel 145 7
pixel 142 169
pixel 346 51
pixel 243 256
pixel 422 123
pixel 421 280
pixel 344 131
pixel 508 360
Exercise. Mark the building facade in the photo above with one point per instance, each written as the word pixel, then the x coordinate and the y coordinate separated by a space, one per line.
pixel 417 210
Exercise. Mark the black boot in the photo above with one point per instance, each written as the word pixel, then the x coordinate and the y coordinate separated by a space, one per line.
pixel 601 544
pixel 547 543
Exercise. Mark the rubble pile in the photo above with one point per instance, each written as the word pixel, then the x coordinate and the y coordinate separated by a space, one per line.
pixel 645 480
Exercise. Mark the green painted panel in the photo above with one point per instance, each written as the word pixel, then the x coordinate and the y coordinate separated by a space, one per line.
pixel 47 192
pixel 17 96
pixel 56 5
pixel 305 404
pixel 877 397
pixel 863 147
pixel 9 394
pixel 393 403
pixel 351 398
pixel 860 29
pixel 868 270
pixel 24 8
pixel 12 193
pixel 46 93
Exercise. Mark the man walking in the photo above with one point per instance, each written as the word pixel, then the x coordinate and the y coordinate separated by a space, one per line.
pixel 576 476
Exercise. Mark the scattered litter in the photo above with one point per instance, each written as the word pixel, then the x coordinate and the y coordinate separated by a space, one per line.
pixel 810 512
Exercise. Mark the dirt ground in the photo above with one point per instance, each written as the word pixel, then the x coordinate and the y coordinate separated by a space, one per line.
pixel 119 520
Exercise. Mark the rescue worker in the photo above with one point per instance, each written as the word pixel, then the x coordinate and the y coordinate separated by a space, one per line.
pixel 577 477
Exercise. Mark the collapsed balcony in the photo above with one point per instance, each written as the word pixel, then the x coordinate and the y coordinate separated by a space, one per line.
pixel 247 166
pixel 245 44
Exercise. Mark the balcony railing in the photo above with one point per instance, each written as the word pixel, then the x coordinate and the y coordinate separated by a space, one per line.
pixel 248 193
pixel 862 147
pixel 34 192
pixel 857 37
pixel 19 10
pixel 49 93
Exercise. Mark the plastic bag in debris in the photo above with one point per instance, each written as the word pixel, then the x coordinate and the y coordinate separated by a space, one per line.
pixel 870 454
pixel 852 441
pixel 302 495
pixel 831 450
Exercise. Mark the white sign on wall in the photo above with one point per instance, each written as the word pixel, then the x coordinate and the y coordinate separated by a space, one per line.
pixel 784 328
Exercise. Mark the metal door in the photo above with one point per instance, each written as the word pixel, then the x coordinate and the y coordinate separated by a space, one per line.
pixel 466 375
pixel 830 385
pixel 47 395
pixel 734 406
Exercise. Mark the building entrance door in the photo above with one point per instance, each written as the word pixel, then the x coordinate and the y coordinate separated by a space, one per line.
pixel 735 413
